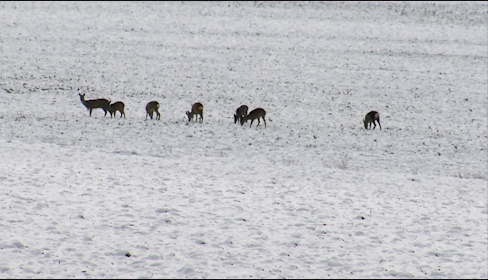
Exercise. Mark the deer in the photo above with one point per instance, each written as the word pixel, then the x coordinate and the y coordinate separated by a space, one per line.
pixel 152 107
pixel 117 106
pixel 255 114
pixel 371 117
pixel 95 103
pixel 240 113
pixel 196 109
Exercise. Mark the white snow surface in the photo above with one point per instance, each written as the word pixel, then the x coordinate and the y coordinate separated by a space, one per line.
pixel 311 195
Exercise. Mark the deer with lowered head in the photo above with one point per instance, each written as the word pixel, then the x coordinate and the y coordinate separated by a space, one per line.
pixel 240 113
pixel 117 106
pixel 196 109
pixel 152 107
pixel 255 114
pixel 371 118
pixel 95 103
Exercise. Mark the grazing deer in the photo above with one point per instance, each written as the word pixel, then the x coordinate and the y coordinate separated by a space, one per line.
pixel 240 113
pixel 255 114
pixel 152 107
pixel 371 117
pixel 196 109
pixel 95 103
pixel 117 106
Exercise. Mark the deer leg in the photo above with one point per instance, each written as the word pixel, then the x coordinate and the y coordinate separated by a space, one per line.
pixel 90 112
pixel 379 123
pixel 264 122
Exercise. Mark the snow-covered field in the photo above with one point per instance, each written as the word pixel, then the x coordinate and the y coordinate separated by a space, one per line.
pixel 312 195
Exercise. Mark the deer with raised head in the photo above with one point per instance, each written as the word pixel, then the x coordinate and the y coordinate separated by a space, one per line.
pixel 152 107
pixel 371 118
pixel 95 103
pixel 196 109
pixel 117 106
pixel 255 114
pixel 240 113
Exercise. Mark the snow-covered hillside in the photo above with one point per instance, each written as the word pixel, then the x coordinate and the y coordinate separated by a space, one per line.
pixel 311 195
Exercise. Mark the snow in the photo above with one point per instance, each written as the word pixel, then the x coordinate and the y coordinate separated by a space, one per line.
pixel 311 195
